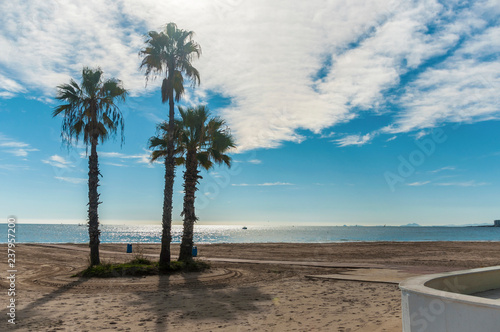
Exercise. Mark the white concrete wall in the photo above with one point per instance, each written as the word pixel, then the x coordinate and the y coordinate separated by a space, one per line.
pixel 432 310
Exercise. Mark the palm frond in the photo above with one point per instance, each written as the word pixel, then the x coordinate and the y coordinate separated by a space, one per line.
pixel 207 136
pixel 89 109
pixel 169 53
pixel 159 143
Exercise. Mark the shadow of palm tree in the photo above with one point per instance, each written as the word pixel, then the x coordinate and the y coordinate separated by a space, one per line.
pixel 197 300
pixel 49 297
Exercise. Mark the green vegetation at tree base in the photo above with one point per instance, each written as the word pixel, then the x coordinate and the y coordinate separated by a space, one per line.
pixel 140 267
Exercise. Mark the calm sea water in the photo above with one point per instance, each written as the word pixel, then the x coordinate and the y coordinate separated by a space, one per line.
pixel 45 233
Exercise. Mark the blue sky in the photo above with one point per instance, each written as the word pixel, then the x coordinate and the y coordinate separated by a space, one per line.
pixel 365 112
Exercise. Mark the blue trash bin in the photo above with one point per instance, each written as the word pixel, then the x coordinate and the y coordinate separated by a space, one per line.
pixel 195 251
pixel 129 248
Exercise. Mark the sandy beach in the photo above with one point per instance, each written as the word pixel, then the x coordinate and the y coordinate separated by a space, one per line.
pixel 251 287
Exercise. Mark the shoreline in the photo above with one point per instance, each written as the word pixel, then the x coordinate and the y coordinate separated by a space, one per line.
pixel 264 243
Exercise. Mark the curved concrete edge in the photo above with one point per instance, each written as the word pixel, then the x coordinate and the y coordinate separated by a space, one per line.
pixel 453 285
pixel 444 302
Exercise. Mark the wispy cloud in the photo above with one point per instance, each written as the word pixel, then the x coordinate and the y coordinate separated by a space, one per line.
pixel 266 184
pixel 9 88
pixel 420 134
pixel 463 184
pixel 12 167
pixel 464 87
pixel 115 164
pixel 391 138
pixel 58 161
pixel 255 161
pixel 17 148
pixel 354 140
pixel 71 180
pixel 447 168
pixel 328 135
pixel 216 175
pixel 142 158
pixel 418 184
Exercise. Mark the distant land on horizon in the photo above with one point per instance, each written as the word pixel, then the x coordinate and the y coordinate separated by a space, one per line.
pixel 450 225
pixel 260 225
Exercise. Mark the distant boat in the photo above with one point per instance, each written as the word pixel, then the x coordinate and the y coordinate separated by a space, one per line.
pixel 244 227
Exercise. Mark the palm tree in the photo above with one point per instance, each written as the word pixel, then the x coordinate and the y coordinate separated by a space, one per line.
pixel 204 141
pixel 199 141
pixel 90 111
pixel 170 53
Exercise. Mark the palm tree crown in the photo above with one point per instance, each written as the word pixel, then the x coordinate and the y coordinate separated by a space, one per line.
pixel 209 138
pixel 90 107
pixel 170 52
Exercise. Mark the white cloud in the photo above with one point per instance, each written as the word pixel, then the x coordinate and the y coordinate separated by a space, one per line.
pixel 420 134
pixel 284 67
pixel 142 158
pixel 71 180
pixel 462 89
pixel 58 161
pixel 115 164
pixel 266 184
pixel 354 140
pixel 12 167
pixel 255 161
pixel 216 175
pixel 17 148
pixel 329 135
pixel 418 184
pixel 446 168
pixel 362 73
pixel 112 155
pixel 463 184
pixel 7 95
pixel 53 40
pixel 12 144
pixel 9 88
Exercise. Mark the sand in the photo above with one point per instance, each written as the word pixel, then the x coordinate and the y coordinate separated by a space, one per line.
pixel 232 296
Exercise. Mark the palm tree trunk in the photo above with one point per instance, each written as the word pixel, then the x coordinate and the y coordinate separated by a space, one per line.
pixel 166 237
pixel 93 205
pixel 190 180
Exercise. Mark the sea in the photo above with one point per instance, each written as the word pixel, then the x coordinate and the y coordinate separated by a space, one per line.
pixel 71 233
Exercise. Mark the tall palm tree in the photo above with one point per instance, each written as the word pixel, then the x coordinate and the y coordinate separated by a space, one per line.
pixel 90 111
pixel 170 53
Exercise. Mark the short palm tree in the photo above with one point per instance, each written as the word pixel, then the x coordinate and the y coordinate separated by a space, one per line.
pixel 90 112
pixel 204 141
pixel 199 141
pixel 170 53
